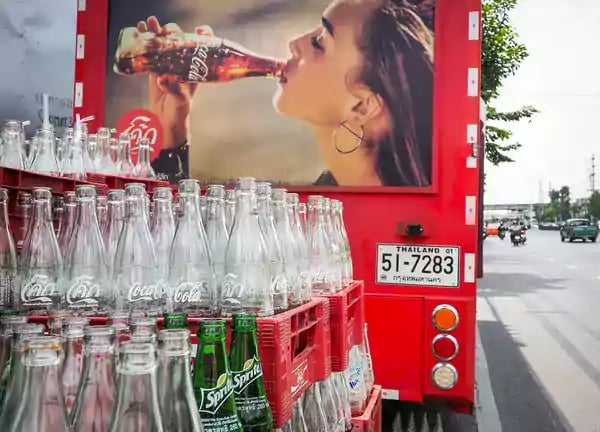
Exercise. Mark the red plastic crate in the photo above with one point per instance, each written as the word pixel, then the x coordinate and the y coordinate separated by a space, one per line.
pixel 294 351
pixel 347 319
pixel 370 420
pixel 119 182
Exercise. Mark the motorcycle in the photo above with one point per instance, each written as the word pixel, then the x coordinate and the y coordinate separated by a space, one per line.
pixel 518 237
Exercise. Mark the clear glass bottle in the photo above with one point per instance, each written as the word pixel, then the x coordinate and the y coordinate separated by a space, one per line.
pixel 356 381
pixel 41 260
pixel 365 350
pixel 331 406
pixel 192 287
pixel 72 364
pixel 102 211
pixel 115 216
pixel 7 325
pixel 105 165
pixel 97 391
pixel 340 228
pixel 84 284
pixel 69 218
pixel 313 407
pixel 322 265
pixel 163 228
pixel 125 167
pixel 277 276
pixel 230 200
pixel 302 247
pixel 216 229
pixel 58 211
pixel 246 283
pixel 297 422
pixel 73 166
pixel 138 408
pixel 340 383
pixel 335 246
pixel 13 140
pixel 289 249
pixel 23 212
pixel 8 257
pixel 135 273
pixel 303 216
pixel 143 169
pixel 176 391
pixel 44 160
pixel 202 204
pixel 92 161
pixel 42 407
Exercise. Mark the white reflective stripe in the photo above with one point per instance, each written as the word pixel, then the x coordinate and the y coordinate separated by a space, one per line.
pixel 470 209
pixel 80 49
pixel 473 82
pixel 471 162
pixel 390 394
pixel 78 102
pixel 469 268
pixel 471 133
pixel 81 5
pixel 474 25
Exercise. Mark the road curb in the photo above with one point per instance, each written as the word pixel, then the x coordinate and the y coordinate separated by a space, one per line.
pixel 486 411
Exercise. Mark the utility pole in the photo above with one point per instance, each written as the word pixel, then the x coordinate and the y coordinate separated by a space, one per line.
pixel 593 175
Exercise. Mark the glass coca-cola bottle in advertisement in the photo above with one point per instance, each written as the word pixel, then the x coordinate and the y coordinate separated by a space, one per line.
pixel 8 257
pixel 84 283
pixel 41 260
pixel 190 57
pixel 135 273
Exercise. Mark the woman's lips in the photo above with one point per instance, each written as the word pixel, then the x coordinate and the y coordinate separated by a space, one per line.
pixel 285 73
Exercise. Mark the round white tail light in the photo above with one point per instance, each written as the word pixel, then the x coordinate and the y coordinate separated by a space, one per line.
pixel 444 376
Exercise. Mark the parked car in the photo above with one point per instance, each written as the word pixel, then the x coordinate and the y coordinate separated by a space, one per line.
pixel 574 229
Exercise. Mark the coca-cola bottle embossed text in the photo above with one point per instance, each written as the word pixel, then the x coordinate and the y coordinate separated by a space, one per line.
pixel 191 57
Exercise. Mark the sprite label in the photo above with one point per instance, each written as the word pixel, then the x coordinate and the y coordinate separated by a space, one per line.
pixel 248 402
pixel 209 403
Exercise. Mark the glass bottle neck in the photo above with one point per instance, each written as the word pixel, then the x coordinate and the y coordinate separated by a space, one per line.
pixel 41 212
pixel 4 214
pixel 86 214
pixel 143 155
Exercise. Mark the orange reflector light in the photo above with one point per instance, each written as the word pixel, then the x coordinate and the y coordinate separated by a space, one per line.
pixel 445 317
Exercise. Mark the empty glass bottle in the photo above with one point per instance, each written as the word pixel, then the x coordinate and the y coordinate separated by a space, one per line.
pixel 73 330
pixel 41 261
pixel 137 407
pixel 23 211
pixel 230 200
pixel 340 383
pixel 202 205
pixel 115 216
pixel 335 246
pixel 125 166
pixel 7 324
pixel 44 160
pixel 8 257
pixel 277 276
pixel 213 386
pixel 135 273
pixel 301 248
pixel 97 391
pixel 101 211
pixel 324 269
pixel 176 392
pixel 335 421
pixel 73 166
pixel 365 351
pixel 356 381
pixel 143 169
pixel 253 408
pixel 163 228
pixel 58 207
pixel 84 284
pixel 303 216
pixel 69 219
pixel 106 164
pixel 246 283
pixel 92 161
pixel 340 228
pixel 289 249
pixel 13 140
pixel 216 229
pixel 42 408
pixel 192 279
pixel 313 407
pixel 297 422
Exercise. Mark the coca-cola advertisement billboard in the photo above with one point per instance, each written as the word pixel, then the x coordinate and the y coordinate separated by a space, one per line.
pixel 317 92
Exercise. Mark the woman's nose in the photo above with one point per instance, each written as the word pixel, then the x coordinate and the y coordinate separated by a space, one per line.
pixel 294 46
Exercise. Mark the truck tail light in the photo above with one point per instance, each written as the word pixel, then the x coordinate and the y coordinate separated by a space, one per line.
pixel 445 318
pixel 445 347
pixel 444 376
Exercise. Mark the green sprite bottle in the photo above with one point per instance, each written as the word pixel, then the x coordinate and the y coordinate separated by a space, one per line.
pixel 175 321
pixel 213 386
pixel 249 388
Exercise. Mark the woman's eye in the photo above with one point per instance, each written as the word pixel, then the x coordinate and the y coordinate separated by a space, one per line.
pixel 314 40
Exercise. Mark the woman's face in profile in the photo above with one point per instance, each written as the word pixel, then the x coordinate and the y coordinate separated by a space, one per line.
pixel 324 62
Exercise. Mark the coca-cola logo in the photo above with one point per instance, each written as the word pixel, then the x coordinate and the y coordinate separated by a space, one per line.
pixel 140 123
pixel 279 284
pixel 39 289
pixel 231 286
pixel 299 377
pixel 198 65
pixel 138 292
pixel 190 292
pixel 83 292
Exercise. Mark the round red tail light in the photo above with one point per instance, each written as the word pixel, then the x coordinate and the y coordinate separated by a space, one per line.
pixel 444 347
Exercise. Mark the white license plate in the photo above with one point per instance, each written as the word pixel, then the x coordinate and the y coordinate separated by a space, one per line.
pixel 402 264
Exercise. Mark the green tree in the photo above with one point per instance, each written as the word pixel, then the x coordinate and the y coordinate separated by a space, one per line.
pixel 594 205
pixel 501 57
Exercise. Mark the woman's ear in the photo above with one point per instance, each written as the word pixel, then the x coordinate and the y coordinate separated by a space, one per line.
pixel 370 105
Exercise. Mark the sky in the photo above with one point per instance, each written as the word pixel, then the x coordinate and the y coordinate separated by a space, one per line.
pixel 561 78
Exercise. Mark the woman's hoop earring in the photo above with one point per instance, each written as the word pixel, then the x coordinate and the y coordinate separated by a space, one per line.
pixel 358 137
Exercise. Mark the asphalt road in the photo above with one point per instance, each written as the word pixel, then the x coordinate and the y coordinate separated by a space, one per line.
pixel 539 325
